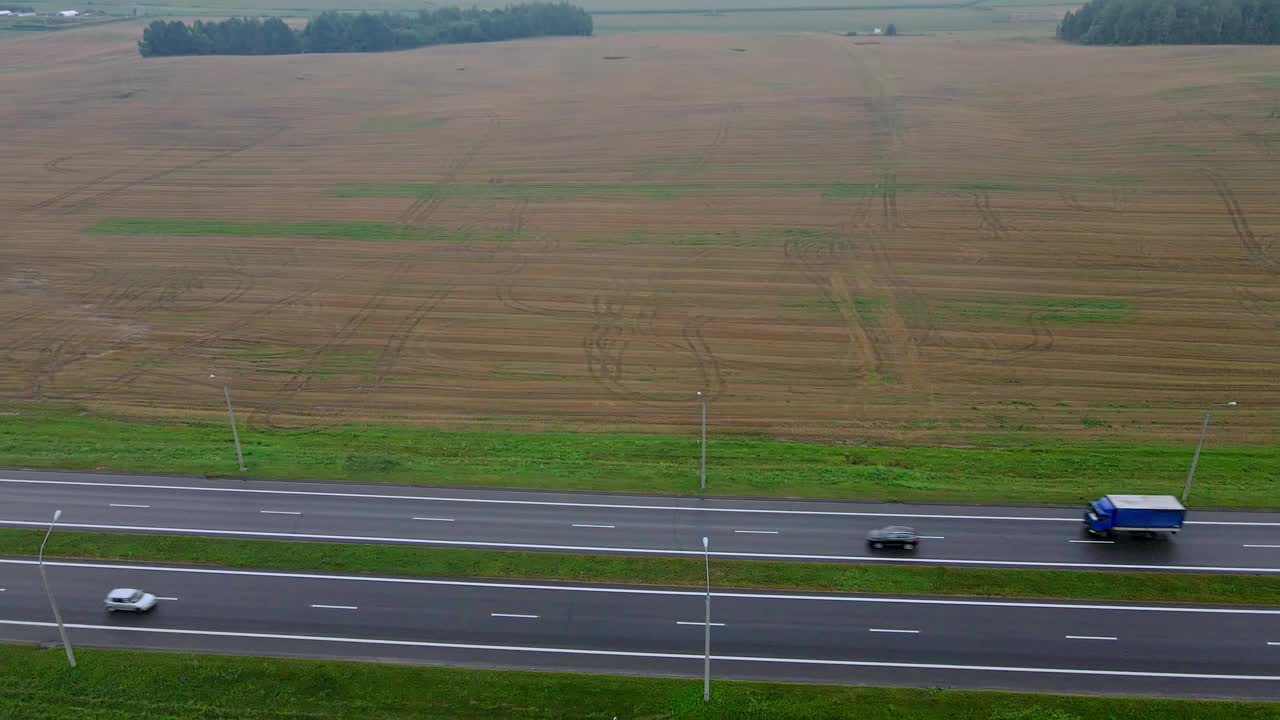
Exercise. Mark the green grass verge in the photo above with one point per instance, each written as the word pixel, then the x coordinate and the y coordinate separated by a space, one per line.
pixel 43 435
pixel 111 684
pixel 195 227
pixel 826 577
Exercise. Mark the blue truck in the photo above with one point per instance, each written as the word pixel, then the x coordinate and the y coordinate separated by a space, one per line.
pixel 1147 514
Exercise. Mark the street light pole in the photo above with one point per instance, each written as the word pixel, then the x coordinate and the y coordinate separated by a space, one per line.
pixel 44 579
pixel 231 417
pixel 703 474
pixel 1204 428
pixel 706 652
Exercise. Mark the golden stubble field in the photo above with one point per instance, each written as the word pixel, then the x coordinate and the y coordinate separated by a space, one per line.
pixel 923 238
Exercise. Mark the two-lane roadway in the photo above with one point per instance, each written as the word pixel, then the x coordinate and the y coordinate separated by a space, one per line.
pixel 948 642
pixel 627 524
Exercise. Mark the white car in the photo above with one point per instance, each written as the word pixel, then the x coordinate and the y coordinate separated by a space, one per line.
pixel 130 599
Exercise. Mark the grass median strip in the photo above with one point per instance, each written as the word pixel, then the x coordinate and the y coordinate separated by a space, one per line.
pixel 109 684
pixel 65 437
pixel 465 563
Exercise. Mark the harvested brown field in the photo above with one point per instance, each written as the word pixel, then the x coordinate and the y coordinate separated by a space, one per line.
pixel 929 237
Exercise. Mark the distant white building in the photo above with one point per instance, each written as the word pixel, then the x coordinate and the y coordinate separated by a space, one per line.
pixel 877 31
pixel 68 13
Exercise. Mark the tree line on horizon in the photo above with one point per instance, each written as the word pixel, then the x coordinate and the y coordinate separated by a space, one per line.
pixel 1173 22
pixel 332 32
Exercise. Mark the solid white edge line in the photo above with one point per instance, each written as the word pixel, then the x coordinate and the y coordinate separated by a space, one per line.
pixel 279 512
pixel 628 653
pixel 649 591
pixel 1090 637
pixel 337 607
pixel 1261 546
pixel 699 624
pixel 885 630
pixel 514 615
pixel 644 551
pixel 435 519
pixel 587 525
pixel 756 532
pixel 127 505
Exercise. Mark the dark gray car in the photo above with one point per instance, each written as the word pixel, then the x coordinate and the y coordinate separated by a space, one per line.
pixel 898 536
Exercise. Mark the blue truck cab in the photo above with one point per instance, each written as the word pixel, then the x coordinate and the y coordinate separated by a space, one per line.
pixel 1147 514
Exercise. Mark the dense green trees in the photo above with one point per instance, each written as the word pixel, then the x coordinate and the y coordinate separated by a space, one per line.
pixel 1143 22
pixel 363 32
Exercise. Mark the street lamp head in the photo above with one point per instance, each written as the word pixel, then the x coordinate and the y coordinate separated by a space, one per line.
pixel 704 543
pixel 57 514
pixel 212 376
pixel 699 393
pixel 1231 404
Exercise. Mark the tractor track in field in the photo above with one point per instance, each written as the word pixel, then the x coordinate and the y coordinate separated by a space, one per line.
pixel 67 202
pixel 425 206
pixel 1259 250
pixel 618 324
pixel 393 348
pixel 301 379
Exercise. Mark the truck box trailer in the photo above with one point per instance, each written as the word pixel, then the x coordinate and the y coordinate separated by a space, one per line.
pixel 1148 514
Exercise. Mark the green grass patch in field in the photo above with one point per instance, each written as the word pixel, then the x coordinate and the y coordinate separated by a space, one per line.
pixel 36 684
pixel 868 309
pixel 332 230
pixel 1031 470
pixel 726 238
pixel 1057 311
pixel 400 124
pixel 675 571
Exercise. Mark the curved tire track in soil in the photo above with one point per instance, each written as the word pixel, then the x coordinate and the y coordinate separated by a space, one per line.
pixel 617 322
pixel 392 350
pixel 1258 250
pixel 421 210
pixel 301 379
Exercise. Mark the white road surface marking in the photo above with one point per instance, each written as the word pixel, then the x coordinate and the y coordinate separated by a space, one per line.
pixel 699 624
pixel 621 506
pixel 158 597
pixel 1261 546
pixel 883 630
pixel 647 591
pixel 933 537
pixel 585 525
pixel 641 551
pixel 514 615
pixel 1090 637
pixel 1094 542
pixel 279 512
pixel 757 532
pixel 435 519
pixel 337 607
pixel 633 654
pixel 129 506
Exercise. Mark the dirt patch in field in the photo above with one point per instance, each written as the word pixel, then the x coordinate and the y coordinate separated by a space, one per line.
pixel 925 239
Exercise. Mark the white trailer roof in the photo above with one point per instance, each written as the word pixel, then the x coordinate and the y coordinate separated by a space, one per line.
pixel 1145 502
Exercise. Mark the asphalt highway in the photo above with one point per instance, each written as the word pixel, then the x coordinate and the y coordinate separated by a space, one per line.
pixel 626 524
pixel 1042 646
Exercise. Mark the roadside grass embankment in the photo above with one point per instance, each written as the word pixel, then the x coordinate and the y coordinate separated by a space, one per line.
pixel 1033 472
pixel 109 684
pixel 825 577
